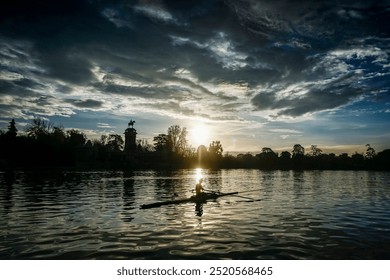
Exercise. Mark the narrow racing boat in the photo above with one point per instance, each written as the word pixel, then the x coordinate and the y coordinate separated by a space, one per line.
pixel 202 198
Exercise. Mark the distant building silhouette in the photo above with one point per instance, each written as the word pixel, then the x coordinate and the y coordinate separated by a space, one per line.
pixel 130 138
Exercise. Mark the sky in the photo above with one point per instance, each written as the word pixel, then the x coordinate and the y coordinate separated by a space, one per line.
pixel 247 73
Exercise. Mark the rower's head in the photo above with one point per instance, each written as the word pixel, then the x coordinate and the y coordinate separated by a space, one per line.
pixel 200 180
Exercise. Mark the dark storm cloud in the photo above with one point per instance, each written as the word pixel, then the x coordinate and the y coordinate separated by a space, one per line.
pixel 335 65
pixel 58 34
pixel 294 57
pixel 88 103
pixel 22 87
pixel 329 19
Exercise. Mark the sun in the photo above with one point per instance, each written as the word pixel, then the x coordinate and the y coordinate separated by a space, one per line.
pixel 199 135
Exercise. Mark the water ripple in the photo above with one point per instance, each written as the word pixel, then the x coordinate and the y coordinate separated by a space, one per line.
pixel 96 215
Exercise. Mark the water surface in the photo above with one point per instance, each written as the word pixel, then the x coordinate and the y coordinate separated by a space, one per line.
pixel 281 215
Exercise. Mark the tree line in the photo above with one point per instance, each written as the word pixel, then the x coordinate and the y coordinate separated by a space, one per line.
pixel 45 145
pixel 315 159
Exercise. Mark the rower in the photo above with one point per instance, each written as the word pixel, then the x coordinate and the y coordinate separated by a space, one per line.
pixel 199 188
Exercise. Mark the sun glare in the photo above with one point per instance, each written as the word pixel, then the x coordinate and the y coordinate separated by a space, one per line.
pixel 199 135
pixel 198 174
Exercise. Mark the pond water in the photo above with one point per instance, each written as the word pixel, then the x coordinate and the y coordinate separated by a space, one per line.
pixel 277 215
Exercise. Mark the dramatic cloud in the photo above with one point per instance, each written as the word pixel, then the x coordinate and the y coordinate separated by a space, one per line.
pixel 89 103
pixel 154 10
pixel 230 63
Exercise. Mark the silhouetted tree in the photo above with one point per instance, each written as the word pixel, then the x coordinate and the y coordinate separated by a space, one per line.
pixel 298 151
pixel 246 160
pixel 190 152
pixel 343 155
pixel 215 153
pixel 267 158
pixel 383 160
pixel 58 135
pixel 115 142
pixel 285 160
pixel 285 155
pixel 216 149
pixel 298 157
pixel 177 139
pixel 103 140
pixel 100 148
pixel 12 131
pixel 267 152
pixel 49 145
pixel 161 142
pixel 39 128
pixel 356 161
pixel 314 158
pixel 315 151
pixel 8 144
pixel 370 152
pixel 143 145
pixel 75 137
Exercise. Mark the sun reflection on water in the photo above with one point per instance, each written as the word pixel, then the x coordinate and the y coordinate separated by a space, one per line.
pixel 199 174
pixel 291 214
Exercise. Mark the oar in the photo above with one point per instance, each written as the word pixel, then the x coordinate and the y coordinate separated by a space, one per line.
pixel 251 199
pixel 243 197
pixel 207 190
pixel 232 195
